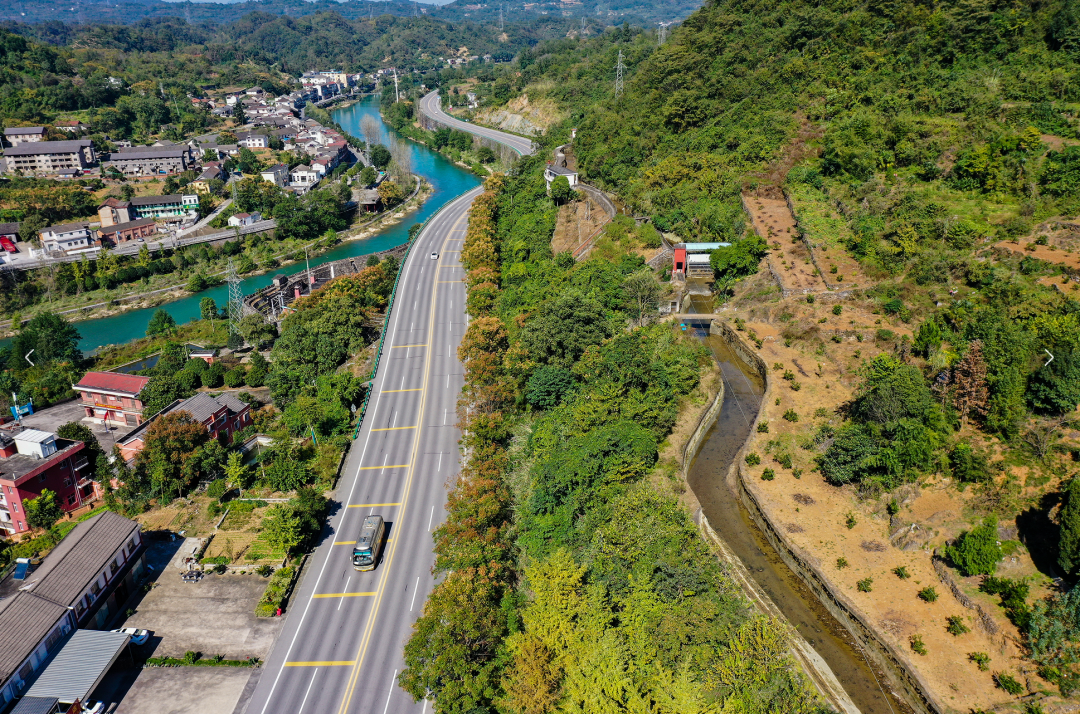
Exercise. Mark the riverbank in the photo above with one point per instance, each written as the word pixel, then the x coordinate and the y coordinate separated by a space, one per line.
pixel 109 303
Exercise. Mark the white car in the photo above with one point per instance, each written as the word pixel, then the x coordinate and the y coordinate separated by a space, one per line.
pixel 138 637
pixel 434 256
pixel 93 707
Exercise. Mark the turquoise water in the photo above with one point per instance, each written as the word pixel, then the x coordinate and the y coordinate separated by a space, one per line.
pixel 447 180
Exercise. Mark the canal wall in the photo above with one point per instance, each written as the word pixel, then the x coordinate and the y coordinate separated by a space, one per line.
pixel 904 680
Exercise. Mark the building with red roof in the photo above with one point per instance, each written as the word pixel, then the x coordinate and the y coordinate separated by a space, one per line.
pixel 112 397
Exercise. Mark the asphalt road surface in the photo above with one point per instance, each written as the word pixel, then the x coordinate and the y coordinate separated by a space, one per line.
pixel 430 106
pixel 341 647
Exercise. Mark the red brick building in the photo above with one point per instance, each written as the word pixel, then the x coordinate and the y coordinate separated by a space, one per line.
pixel 112 397
pixel 33 460
pixel 222 416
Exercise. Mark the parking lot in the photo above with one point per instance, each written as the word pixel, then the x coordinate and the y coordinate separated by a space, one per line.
pixel 215 616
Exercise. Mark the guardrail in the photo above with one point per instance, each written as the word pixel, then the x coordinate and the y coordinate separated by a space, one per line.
pixel 389 309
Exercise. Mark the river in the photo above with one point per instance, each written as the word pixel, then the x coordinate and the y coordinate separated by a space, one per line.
pixel 447 181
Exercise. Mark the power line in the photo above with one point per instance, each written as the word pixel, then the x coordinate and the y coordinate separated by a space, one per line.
pixel 619 76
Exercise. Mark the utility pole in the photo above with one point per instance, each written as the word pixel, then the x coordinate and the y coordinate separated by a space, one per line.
pixel 619 76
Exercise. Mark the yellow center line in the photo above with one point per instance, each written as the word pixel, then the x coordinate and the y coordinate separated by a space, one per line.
pixel 389 558
pixel 371 505
pixel 322 663
pixel 344 542
pixel 374 468
pixel 395 428
pixel 398 347
pixel 392 391
pixel 329 595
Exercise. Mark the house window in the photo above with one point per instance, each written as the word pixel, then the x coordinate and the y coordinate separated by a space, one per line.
pixel 71 499
pixel 26 670
pixel 22 526
pixel 95 588
pixel 52 639
pixel 41 478
pixel 131 546
pixel 67 481
pixel 15 506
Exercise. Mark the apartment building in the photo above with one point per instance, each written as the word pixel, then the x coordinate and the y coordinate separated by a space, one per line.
pixel 150 161
pixel 49 157
pixel 24 134
pixel 32 460
pixel 251 140
pixel 163 207
pixel 277 175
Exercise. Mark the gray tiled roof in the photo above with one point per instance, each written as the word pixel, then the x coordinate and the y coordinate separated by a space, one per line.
pixel 148 152
pixel 25 620
pixel 24 130
pixel 155 200
pixel 202 406
pixel 79 666
pixel 69 569
pixel 48 147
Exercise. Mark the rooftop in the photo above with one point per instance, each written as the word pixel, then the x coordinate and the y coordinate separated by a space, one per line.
pixel 561 171
pixel 8 228
pixel 25 620
pixel 34 436
pixel 65 228
pixel 112 382
pixel 202 406
pixel 155 200
pixel 24 130
pixel 48 147
pixel 19 467
pixel 119 227
pixel 146 152
pixel 80 665
pixel 68 570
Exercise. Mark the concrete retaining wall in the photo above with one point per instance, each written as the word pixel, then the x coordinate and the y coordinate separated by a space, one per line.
pixel 902 677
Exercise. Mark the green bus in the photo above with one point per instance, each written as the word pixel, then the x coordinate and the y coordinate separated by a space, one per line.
pixel 365 553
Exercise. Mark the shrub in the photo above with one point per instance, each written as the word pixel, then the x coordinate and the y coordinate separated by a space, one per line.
pixel 956 626
pixel 264 570
pixel 777 366
pixel 768 475
pixel 865 585
pixel 791 415
pixel 234 378
pixel 851 521
pixel 901 572
pixel 797 473
pixel 810 299
pixel 1008 683
pixel 216 489
pixel 784 460
pixel 917 644
pixel 892 507
pixel 928 594
pixel 220 568
pixel 841 563
pixel 190 656
pixel 821 413
pixel 752 459
pixel 884 335
pixel 837 309
pixel 796 386
pixel 763 426
pixel 976 552
pixel 981 660
pixel 275 592
pixel 216 560
pixel 789 375
pixel 1013 594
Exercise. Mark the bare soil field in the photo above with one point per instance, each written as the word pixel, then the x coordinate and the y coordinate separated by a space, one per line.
pixel 575 223
pixel 788 258
pixel 830 522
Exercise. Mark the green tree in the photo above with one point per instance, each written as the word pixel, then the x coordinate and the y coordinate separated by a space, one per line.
pixel 283 527
pixel 77 431
pixel 380 156
pixel 237 472
pixel 368 176
pixel 561 192
pixel 208 308
pixel 564 327
pixel 548 386
pixel 737 260
pixel 161 324
pixel 161 391
pixel 976 552
pixel 43 511
pixel 485 155
pixel 238 115
pixel 52 339
pixel 1069 538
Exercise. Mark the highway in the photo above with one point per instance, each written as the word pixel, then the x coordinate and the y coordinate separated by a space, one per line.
pixel 340 649
pixel 431 107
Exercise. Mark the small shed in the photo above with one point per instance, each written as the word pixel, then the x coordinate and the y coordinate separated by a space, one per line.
pixel 370 200
pixel 79 666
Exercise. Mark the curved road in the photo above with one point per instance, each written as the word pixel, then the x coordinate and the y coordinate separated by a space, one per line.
pixel 340 649
pixel 431 107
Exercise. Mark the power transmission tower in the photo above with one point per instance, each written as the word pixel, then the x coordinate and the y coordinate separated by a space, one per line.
pixel 397 95
pixel 582 26
pixel 236 300
pixel 663 33
pixel 619 76
pixel 500 17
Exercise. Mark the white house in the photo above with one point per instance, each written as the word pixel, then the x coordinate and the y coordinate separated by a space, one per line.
pixel 277 175
pixel 253 141
pixel 303 175
pixel 552 171
pixel 244 219
pixel 66 237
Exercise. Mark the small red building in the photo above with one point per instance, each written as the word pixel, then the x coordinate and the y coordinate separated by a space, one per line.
pixel 33 460
pixel 112 397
